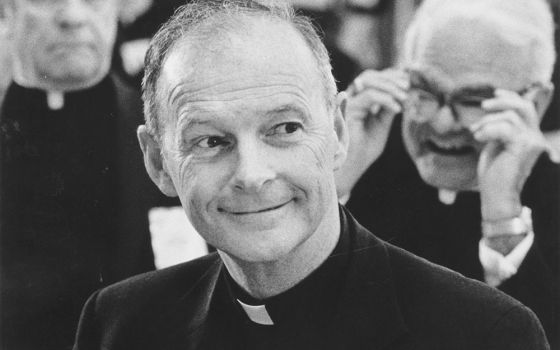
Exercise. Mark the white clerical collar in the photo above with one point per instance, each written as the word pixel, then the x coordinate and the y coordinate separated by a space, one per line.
pixel 257 313
pixel 447 197
pixel 55 100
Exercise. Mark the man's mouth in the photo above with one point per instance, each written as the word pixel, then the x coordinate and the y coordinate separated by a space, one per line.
pixel 71 46
pixel 247 211
pixel 450 148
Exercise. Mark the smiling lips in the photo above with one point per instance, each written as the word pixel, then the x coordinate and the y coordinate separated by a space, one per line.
pixel 253 211
pixel 449 147
pixel 71 45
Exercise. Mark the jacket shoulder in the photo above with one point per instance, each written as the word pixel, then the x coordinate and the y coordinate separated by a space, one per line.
pixel 147 290
pixel 435 299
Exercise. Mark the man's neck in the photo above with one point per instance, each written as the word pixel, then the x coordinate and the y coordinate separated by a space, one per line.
pixel 266 279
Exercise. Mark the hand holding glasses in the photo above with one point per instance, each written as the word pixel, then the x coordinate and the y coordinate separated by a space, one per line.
pixel 424 102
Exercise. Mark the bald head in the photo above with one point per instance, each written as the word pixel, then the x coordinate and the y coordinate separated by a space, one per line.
pixel 523 28
pixel 206 25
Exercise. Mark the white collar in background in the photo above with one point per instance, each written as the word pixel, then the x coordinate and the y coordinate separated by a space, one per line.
pixel 55 100
pixel 447 197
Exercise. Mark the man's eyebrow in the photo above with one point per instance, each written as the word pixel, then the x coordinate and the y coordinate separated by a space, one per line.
pixel 425 81
pixel 287 108
pixel 477 90
pixel 193 116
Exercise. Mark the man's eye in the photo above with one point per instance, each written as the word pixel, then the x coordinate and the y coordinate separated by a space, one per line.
pixel 286 128
pixel 422 95
pixel 211 142
pixel 470 101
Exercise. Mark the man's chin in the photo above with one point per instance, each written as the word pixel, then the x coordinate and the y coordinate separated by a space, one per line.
pixel 445 176
pixel 71 75
pixel 76 80
pixel 258 252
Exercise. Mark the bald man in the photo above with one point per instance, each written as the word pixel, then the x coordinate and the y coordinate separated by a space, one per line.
pixel 463 177
pixel 243 124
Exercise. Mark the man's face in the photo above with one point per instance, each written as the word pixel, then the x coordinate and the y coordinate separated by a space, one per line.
pixel 62 44
pixel 465 59
pixel 248 143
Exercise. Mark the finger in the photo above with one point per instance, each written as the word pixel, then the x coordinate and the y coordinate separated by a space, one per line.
pixel 371 101
pixel 508 116
pixel 509 100
pixel 380 120
pixel 390 88
pixel 501 131
pixel 390 73
pixel 382 100
pixel 553 154
pixel 392 82
pixel 505 132
pixel 372 79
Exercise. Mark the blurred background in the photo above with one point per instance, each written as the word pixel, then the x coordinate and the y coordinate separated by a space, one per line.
pixel 359 34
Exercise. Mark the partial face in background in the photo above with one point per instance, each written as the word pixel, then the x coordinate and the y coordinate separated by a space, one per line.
pixel 62 44
pixel 466 59
pixel 248 143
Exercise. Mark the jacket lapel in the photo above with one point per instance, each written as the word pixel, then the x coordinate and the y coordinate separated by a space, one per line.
pixel 369 315
pixel 182 324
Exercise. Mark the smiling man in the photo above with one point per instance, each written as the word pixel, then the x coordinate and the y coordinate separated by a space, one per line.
pixel 243 124
pixel 456 178
pixel 73 205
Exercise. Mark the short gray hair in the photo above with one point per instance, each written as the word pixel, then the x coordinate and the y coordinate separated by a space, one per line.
pixel 189 20
pixel 531 19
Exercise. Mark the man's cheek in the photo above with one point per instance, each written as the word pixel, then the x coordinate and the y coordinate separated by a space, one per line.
pixel 317 151
pixel 412 135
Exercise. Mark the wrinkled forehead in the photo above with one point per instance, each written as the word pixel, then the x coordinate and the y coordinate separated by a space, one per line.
pixel 475 51
pixel 267 54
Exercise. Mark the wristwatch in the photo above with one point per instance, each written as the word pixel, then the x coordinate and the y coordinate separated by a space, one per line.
pixel 518 225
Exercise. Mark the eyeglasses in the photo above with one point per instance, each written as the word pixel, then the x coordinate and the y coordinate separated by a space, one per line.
pixel 423 104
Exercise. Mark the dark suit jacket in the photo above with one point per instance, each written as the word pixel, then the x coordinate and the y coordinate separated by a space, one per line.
pixel 392 200
pixel 390 300
pixel 74 205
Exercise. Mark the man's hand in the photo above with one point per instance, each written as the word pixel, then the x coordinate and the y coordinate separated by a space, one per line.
pixel 513 143
pixel 374 98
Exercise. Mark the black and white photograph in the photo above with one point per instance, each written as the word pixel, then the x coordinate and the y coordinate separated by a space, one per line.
pixel 279 175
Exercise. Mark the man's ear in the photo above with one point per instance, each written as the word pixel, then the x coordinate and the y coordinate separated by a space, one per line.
pixel 154 162
pixel 543 97
pixel 341 131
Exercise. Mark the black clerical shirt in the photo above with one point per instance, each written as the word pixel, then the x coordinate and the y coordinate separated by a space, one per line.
pixel 301 315
pixel 61 193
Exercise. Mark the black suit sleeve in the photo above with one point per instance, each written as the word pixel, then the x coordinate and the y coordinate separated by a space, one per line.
pixel 88 334
pixel 537 282
pixel 517 329
pixel 536 287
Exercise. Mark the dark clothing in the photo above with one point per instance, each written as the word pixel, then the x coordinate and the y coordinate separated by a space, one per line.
pixel 303 310
pixel 385 299
pixel 73 210
pixel 393 200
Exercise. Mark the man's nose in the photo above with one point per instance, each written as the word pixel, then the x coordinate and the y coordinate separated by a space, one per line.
pixel 72 13
pixel 445 121
pixel 253 170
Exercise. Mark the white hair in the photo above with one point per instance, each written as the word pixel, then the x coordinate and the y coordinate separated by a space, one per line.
pixel 526 23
